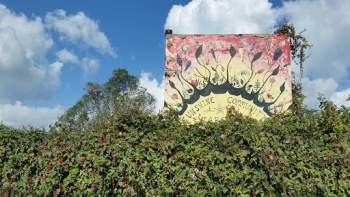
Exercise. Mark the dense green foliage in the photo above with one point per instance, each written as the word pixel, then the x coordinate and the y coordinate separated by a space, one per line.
pixel 102 103
pixel 287 155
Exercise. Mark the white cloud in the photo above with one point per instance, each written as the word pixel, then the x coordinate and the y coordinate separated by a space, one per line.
pixel 90 66
pixel 221 17
pixel 154 88
pixel 67 56
pixel 326 24
pixel 339 98
pixel 54 73
pixel 327 28
pixel 79 29
pixel 24 70
pixel 27 73
pixel 28 33
pixel 17 115
pixel 311 92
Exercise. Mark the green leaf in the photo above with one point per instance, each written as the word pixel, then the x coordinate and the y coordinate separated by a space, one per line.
pixel 221 157
pixel 224 189
pixel 101 160
pixel 169 190
pixel 75 171
pixel 244 153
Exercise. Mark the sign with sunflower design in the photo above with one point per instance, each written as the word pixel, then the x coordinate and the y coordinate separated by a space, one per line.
pixel 206 74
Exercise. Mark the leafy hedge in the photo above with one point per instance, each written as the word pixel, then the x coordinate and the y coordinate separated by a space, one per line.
pixel 305 154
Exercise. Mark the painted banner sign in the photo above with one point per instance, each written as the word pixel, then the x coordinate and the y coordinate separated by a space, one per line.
pixel 206 74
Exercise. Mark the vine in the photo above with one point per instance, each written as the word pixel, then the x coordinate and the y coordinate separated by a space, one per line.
pixel 299 46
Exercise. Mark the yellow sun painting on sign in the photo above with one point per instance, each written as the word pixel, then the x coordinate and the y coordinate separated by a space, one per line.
pixel 206 74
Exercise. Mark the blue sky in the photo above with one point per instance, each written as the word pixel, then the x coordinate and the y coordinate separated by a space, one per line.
pixel 50 49
pixel 135 31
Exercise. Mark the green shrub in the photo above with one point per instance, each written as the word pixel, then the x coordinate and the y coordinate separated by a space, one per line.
pixel 287 155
